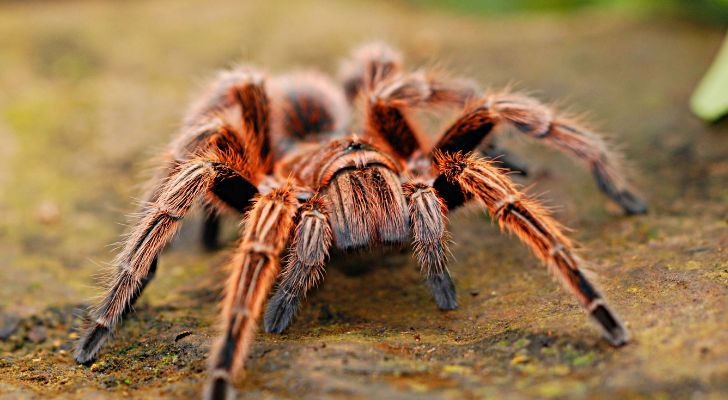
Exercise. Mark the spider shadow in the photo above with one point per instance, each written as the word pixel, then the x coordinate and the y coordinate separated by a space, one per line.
pixel 353 263
pixel 369 288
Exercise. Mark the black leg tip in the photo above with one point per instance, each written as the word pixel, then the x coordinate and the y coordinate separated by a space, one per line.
pixel 210 233
pixel 280 312
pixel 90 345
pixel 443 289
pixel 631 204
pixel 210 245
pixel 612 329
pixel 86 362
pixel 514 167
pixel 219 389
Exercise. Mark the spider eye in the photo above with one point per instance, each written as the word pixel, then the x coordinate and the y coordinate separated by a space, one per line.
pixel 355 146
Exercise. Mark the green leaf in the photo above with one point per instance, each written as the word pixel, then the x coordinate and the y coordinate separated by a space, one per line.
pixel 710 100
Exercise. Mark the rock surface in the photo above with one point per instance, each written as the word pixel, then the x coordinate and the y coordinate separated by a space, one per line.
pixel 97 88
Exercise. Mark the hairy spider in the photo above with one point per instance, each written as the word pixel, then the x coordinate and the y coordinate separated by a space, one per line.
pixel 279 151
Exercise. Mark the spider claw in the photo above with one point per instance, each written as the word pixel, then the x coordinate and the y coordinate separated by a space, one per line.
pixel 443 289
pixel 219 389
pixel 631 204
pixel 506 160
pixel 281 309
pixel 211 232
pixel 90 344
pixel 612 328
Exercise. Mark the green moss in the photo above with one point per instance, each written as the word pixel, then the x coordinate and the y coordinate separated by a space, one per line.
pixel 582 360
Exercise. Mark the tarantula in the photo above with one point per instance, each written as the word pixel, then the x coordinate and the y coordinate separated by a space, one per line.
pixel 280 151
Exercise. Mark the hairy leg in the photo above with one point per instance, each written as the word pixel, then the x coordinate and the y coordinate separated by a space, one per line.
pixel 504 158
pixel 231 117
pixel 427 213
pixel 255 266
pixel 240 94
pixel 536 228
pixel 374 72
pixel 305 266
pixel 211 231
pixel 538 121
pixel 137 261
pixel 304 104
pixel 368 65
pixel 390 105
pixel 151 233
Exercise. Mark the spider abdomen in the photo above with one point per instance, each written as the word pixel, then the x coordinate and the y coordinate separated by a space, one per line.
pixel 367 207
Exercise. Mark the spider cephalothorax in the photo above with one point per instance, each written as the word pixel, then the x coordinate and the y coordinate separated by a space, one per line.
pixel 280 151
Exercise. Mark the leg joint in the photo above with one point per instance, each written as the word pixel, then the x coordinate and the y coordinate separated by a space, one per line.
pixel 261 248
pixel 313 213
pixel 545 132
pixel 506 206
pixel 164 213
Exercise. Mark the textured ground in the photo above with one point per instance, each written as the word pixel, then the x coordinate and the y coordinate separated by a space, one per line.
pixel 92 89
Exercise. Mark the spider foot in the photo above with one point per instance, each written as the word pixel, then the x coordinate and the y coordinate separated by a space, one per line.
pixel 631 204
pixel 90 344
pixel 219 388
pixel 282 308
pixel 506 160
pixel 443 290
pixel 612 329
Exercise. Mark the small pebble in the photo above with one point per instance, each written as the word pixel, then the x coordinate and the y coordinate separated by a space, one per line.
pixel 8 325
pixel 520 359
pixel 47 213
pixel 37 334
pixel 182 335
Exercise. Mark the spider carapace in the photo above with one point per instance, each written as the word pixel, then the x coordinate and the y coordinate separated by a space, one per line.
pixel 280 151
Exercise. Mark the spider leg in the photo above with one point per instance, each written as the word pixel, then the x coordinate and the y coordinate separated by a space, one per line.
pixel 233 188
pixel 232 116
pixel 427 213
pixel 535 227
pixel 389 108
pixel 374 71
pixel 504 158
pixel 304 104
pixel 368 65
pixel 255 266
pixel 239 92
pixel 305 266
pixel 137 261
pixel 538 121
pixel 211 230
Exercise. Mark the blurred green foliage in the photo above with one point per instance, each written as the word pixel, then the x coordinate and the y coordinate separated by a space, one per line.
pixel 715 11
pixel 710 100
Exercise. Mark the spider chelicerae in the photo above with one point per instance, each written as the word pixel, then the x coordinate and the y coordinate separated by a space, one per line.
pixel 280 151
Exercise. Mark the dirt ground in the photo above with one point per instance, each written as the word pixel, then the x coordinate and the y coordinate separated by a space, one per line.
pixel 92 90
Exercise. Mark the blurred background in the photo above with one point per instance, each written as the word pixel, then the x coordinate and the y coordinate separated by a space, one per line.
pixel 91 91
